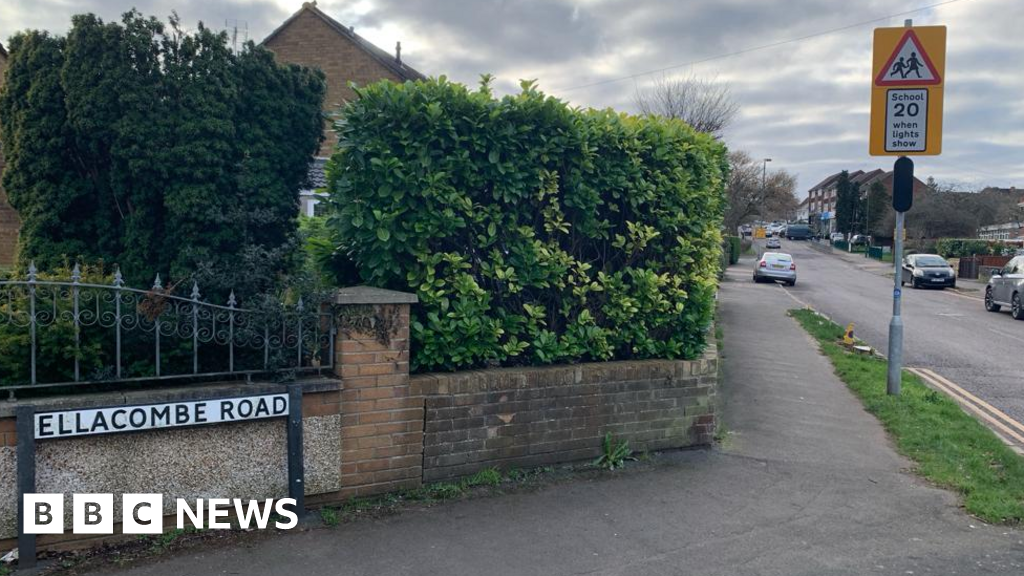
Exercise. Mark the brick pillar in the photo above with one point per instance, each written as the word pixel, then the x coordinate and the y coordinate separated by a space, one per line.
pixel 382 417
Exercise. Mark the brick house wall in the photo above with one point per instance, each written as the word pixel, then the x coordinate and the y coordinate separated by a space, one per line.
pixel 312 38
pixel 9 221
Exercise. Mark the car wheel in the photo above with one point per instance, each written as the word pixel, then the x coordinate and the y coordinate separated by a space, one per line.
pixel 791 282
pixel 1016 309
pixel 902 282
pixel 915 284
pixel 990 303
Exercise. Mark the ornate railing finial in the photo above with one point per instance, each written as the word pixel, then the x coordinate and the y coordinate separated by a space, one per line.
pixel 231 300
pixel 156 283
pixel 76 274
pixel 32 271
pixel 299 305
pixel 118 279
pixel 195 290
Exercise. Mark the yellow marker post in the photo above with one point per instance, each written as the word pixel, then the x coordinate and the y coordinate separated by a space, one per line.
pixel 848 338
pixel 908 78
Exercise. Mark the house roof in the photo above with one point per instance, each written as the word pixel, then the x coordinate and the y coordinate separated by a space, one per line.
pixel 2 51
pixel 868 177
pixel 316 176
pixel 826 181
pixel 386 59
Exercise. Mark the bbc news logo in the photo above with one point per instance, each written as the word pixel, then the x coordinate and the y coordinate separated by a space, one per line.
pixel 144 513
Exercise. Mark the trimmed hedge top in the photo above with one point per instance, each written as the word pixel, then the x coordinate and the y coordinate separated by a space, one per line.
pixel 531 231
pixel 964 247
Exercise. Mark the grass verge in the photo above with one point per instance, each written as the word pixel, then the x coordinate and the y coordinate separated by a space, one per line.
pixel 950 447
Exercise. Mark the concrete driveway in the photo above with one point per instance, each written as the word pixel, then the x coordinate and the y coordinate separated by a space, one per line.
pixel 807 483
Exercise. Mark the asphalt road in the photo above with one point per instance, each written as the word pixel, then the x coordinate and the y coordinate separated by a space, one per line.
pixel 947 332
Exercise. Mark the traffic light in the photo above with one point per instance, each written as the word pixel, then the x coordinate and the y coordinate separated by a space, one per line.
pixel 903 184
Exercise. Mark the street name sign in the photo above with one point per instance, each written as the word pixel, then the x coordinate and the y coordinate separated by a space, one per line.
pixel 906 93
pixel 113 419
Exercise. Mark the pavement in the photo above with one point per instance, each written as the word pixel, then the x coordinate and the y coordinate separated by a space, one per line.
pixel 805 483
pixel 947 332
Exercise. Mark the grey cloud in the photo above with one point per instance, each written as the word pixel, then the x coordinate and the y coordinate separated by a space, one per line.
pixel 55 15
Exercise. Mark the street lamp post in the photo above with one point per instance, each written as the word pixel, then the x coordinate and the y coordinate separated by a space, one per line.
pixel 764 174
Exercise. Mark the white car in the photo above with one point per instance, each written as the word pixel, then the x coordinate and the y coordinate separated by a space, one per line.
pixel 775 266
pixel 837 236
pixel 773 242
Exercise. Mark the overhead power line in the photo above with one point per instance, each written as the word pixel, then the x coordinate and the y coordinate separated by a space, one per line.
pixel 755 48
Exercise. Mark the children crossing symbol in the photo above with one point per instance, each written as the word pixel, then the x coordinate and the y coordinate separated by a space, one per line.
pixel 909 65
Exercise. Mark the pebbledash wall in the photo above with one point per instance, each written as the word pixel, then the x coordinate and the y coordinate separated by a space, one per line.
pixel 372 428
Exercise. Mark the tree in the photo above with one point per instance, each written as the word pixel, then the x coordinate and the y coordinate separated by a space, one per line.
pixel 877 205
pixel 703 103
pixel 848 204
pixel 161 151
pixel 948 211
pixel 748 196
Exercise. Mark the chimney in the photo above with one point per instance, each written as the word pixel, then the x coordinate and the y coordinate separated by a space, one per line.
pixel 398 53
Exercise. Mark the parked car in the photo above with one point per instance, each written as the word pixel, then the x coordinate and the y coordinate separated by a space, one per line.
pixel 1007 289
pixel 773 243
pixel 798 232
pixel 775 266
pixel 927 270
pixel 860 240
pixel 837 236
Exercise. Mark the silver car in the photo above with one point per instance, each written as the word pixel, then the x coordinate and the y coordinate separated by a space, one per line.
pixel 1006 288
pixel 775 266
pixel 773 243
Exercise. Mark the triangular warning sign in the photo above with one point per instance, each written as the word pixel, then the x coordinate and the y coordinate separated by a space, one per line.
pixel 909 65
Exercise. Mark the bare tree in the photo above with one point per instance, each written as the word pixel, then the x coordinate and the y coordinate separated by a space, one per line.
pixel 748 196
pixel 703 103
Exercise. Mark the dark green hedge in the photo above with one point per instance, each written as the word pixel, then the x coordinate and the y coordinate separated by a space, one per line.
pixel 532 232
pixel 733 244
pixel 963 247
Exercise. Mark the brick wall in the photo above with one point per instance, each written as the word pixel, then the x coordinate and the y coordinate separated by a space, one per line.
pixel 538 416
pixel 310 41
pixel 378 429
pixel 382 418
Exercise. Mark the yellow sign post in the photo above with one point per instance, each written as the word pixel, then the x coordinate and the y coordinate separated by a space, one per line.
pixel 908 78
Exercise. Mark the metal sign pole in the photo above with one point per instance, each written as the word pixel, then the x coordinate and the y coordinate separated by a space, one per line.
pixel 296 469
pixel 25 426
pixel 896 324
pixel 902 200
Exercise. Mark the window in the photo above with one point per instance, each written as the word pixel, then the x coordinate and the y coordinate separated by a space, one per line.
pixel 1013 266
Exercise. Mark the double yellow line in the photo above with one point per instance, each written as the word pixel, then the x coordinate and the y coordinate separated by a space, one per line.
pixel 1009 430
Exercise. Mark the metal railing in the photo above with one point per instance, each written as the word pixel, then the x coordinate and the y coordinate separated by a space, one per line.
pixel 61 333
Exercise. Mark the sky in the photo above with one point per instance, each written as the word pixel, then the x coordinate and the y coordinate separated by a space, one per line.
pixel 804 104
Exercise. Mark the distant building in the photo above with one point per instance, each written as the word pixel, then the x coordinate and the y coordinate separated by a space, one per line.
pixel 10 224
pixel 1007 231
pixel 312 38
pixel 312 197
pixel 822 197
pixel 1012 190
pixel 803 212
